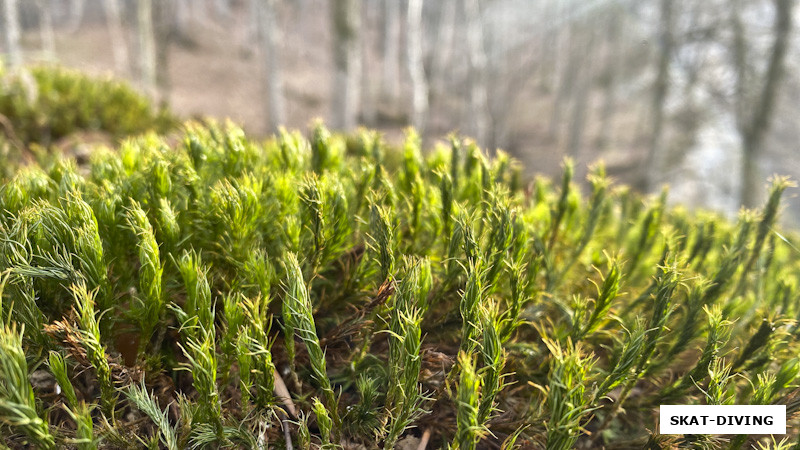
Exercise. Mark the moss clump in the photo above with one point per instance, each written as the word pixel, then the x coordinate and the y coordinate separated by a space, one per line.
pixel 332 291
pixel 43 104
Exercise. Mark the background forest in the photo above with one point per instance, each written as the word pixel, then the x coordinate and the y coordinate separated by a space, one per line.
pixel 698 94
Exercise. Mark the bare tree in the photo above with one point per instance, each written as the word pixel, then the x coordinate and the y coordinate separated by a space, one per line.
pixel 269 39
pixel 444 46
pixel 419 84
pixel 76 11
pixel 653 161
pixel 583 84
pixel 390 79
pixel 754 119
pixel 560 58
pixel 183 26
pixel 612 61
pixel 46 29
pixel 248 34
pixel 116 34
pixel 163 33
pixel 147 46
pixel 479 99
pixel 513 61
pixel 223 9
pixel 566 62
pixel 197 12
pixel 346 57
pixel 369 89
pixel 12 34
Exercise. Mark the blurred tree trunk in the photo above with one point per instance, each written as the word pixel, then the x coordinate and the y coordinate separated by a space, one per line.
pixel 183 12
pixel 346 21
pixel 479 99
pixel 739 52
pixel 198 12
pixel 443 49
pixel 301 11
pixel 223 10
pixel 390 81
pixel 147 47
pixel 582 91
pixel 250 32
pixel 77 7
pixel 46 29
pixel 566 73
pixel 416 69
pixel 654 161
pixel 548 45
pixel 119 47
pixel 753 127
pixel 270 41
pixel 558 74
pixel 613 62
pixel 184 21
pixel 163 27
pixel 12 34
pixel 369 15
pixel 505 65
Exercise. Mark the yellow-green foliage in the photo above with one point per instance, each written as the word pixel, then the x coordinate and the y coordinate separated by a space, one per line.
pixel 44 104
pixel 389 291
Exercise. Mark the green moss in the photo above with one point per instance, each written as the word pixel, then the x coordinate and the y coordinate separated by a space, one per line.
pixel 390 292
pixel 44 103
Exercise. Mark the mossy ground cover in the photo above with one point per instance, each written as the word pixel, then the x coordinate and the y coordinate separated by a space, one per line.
pixel 211 291
pixel 40 106
pixel 46 103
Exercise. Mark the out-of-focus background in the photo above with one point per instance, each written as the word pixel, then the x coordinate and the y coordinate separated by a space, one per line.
pixel 701 94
